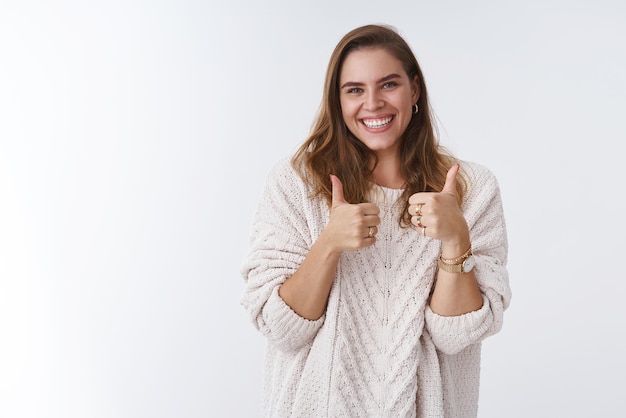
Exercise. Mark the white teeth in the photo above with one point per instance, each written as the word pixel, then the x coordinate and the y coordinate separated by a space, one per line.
pixel 377 123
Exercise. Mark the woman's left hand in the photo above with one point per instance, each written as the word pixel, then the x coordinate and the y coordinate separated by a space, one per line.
pixel 438 215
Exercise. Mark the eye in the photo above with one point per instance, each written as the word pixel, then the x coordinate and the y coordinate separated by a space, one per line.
pixel 354 90
pixel 389 85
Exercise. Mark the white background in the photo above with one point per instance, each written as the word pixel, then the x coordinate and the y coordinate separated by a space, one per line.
pixel 134 141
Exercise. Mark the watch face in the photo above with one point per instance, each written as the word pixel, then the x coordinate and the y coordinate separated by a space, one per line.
pixel 468 264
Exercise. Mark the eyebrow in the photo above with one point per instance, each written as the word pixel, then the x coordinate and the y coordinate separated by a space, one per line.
pixel 382 80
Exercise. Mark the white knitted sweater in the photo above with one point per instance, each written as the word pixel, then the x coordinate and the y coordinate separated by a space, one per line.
pixel 378 351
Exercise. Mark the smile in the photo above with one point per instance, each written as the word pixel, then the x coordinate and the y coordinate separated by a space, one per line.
pixel 377 123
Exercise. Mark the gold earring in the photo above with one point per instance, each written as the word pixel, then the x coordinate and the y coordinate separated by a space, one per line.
pixel 415 109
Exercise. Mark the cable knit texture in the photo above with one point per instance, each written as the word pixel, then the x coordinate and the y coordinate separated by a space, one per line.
pixel 378 351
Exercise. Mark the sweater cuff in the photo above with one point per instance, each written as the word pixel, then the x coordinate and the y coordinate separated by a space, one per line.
pixel 285 328
pixel 451 334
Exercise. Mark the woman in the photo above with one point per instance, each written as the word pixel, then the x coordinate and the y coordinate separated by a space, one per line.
pixel 377 262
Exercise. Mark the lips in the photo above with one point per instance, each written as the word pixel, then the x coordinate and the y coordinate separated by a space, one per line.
pixel 377 122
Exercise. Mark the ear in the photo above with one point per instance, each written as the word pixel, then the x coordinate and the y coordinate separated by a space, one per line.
pixel 415 89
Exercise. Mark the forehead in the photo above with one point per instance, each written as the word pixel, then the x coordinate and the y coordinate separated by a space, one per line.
pixel 369 64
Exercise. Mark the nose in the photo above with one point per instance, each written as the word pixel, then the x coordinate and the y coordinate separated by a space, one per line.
pixel 373 100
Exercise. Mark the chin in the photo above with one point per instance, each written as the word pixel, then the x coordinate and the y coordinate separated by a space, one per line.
pixel 381 146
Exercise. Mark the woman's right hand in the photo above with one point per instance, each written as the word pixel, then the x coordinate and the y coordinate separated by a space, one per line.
pixel 350 224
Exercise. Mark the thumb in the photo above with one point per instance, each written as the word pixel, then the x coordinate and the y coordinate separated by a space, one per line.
pixel 337 190
pixel 450 185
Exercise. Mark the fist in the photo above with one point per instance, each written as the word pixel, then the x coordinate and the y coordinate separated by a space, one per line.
pixel 351 226
pixel 437 214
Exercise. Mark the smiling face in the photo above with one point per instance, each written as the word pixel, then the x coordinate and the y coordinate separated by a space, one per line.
pixel 376 97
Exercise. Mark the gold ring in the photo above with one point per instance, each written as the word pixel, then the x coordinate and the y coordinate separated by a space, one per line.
pixel 418 209
pixel 370 233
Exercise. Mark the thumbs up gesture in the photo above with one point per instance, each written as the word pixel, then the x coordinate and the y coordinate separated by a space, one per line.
pixel 351 226
pixel 438 215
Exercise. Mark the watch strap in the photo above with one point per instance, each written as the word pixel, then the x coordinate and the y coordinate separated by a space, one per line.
pixel 450 268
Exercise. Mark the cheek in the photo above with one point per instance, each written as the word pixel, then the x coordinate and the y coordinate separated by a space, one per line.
pixel 347 111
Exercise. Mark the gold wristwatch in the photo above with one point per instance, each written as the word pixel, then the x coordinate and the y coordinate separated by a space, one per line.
pixel 462 264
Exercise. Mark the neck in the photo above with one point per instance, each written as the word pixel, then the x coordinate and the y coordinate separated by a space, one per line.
pixel 387 172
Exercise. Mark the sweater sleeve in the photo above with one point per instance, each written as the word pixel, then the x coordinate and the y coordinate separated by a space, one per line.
pixel 280 240
pixel 485 217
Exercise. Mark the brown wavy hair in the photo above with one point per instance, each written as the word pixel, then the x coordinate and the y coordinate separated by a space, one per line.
pixel 333 149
